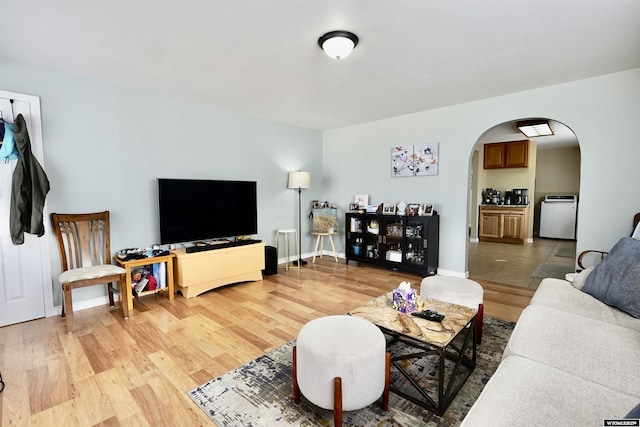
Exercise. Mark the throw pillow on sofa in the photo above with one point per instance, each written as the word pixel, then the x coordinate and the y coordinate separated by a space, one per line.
pixel 634 413
pixel 616 280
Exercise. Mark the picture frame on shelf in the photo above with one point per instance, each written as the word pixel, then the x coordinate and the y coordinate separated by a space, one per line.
pixel 388 209
pixel 353 206
pixel 362 200
pixel 428 209
pixel 413 209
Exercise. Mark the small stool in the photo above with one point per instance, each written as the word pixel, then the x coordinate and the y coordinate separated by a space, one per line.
pixel 320 242
pixel 456 290
pixel 340 363
pixel 286 232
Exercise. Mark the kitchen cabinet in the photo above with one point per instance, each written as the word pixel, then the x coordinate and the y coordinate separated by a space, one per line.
pixel 513 226
pixel 403 242
pixel 490 224
pixel 499 155
pixel 503 224
pixel 494 155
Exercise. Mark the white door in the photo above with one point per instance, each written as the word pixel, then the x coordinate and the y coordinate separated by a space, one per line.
pixel 24 269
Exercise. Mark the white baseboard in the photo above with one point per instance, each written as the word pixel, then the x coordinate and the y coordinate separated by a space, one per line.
pixel 83 305
pixel 310 255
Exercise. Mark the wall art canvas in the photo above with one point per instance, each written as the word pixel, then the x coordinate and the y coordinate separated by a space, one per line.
pixel 414 160
pixel 425 159
pixel 402 161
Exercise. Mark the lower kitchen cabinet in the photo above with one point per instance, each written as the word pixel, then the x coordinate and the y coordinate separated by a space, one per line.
pixel 504 224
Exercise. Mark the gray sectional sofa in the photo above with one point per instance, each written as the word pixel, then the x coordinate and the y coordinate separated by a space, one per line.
pixel 572 360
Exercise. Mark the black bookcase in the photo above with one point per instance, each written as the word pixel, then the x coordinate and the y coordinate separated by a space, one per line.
pixel 403 242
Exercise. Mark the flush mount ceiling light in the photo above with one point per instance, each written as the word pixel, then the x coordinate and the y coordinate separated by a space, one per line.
pixel 338 44
pixel 533 128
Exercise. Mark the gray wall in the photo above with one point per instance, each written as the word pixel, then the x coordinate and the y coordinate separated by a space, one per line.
pixel 105 146
pixel 600 111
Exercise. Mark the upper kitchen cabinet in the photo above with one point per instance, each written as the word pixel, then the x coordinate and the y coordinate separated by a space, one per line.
pixel 514 154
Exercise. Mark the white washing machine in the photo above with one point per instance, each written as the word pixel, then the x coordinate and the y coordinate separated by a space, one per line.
pixel 558 216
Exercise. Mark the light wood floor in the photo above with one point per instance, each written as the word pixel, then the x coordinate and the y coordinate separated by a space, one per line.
pixel 112 372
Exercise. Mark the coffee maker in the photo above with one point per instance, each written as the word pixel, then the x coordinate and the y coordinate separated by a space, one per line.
pixel 520 196
pixel 508 197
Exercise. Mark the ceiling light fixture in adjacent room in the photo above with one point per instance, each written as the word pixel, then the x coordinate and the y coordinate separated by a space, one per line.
pixel 533 128
pixel 338 44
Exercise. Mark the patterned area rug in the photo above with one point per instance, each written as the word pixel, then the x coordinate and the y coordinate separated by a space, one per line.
pixel 260 393
pixel 551 270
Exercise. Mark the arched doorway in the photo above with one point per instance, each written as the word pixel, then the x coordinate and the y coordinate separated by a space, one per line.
pixel 553 168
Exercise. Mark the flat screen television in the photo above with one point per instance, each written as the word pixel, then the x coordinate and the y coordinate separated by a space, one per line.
pixel 199 209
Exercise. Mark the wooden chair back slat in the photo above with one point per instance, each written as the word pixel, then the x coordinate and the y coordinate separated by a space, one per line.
pixel 83 239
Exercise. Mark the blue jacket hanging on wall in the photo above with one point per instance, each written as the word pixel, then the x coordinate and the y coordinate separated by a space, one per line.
pixel 29 188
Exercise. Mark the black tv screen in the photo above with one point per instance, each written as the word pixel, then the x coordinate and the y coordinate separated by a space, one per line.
pixel 198 209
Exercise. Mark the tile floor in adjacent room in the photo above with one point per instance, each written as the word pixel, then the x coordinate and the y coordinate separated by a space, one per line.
pixel 513 264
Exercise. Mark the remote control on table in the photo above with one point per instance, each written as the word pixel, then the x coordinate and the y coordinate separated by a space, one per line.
pixel 434 316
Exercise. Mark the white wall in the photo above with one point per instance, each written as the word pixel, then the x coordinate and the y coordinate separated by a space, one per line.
pixel 600 111
pixel 105 146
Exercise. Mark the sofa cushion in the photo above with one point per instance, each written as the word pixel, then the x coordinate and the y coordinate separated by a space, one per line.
pixel 599 352
pixel 560 294
pixel 616 280
pixel 580 278
pixel 526 393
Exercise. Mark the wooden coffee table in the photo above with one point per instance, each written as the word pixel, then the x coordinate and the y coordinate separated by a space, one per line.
pixel 452 343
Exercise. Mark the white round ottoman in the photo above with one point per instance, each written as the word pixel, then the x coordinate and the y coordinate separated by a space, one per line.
pixel 340 363
pixel 456 290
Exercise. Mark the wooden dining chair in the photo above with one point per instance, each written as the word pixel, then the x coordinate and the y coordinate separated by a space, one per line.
pixel 85 258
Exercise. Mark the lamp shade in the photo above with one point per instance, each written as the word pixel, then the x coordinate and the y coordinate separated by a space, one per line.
pixel 299 179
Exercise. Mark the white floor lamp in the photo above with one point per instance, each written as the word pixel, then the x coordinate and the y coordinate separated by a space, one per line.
pixel 299 180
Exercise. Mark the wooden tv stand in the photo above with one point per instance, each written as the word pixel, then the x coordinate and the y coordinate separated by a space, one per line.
pixel 199 272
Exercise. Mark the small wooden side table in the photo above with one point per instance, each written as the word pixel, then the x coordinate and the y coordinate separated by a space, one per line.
pixel 320 243
pixel 131 264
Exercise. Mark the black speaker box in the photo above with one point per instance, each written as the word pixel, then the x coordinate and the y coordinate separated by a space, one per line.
pixel 270 261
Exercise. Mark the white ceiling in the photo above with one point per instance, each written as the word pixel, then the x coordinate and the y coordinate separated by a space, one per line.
pixel 261 57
